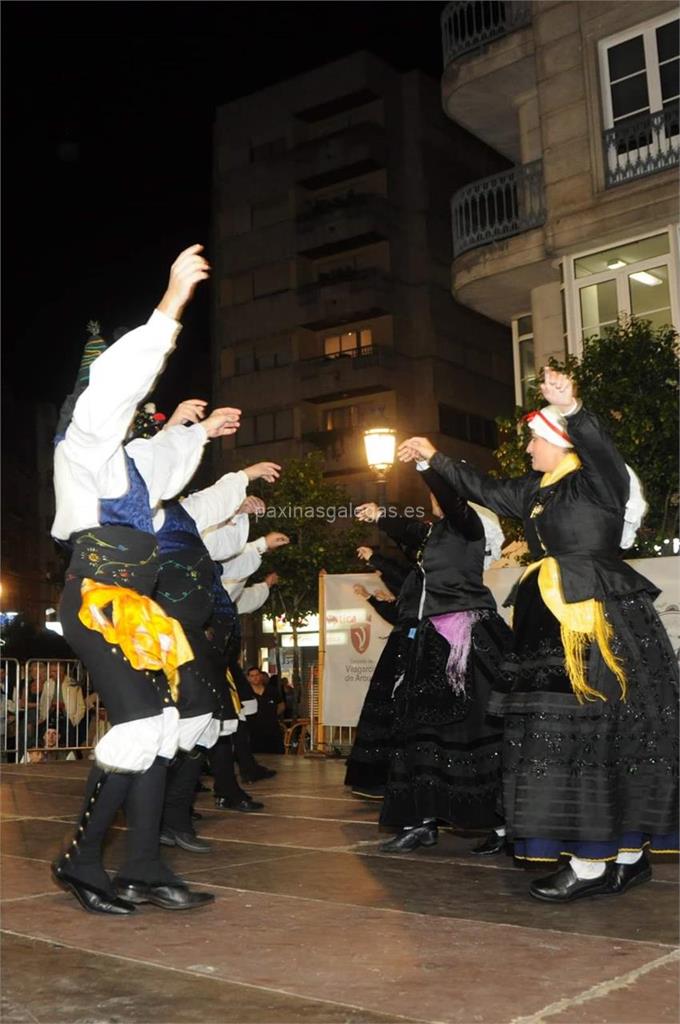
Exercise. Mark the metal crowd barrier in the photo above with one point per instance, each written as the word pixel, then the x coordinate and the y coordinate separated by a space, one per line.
pixel 48 710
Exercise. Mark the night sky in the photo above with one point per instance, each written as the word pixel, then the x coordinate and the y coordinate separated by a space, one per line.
pixel 108 112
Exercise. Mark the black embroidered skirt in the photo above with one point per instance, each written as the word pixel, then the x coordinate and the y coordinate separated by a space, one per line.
pixel 598 771
pixel 368 762
pixel 446 762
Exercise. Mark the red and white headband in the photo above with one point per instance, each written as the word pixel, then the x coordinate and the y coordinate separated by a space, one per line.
pixel 549 424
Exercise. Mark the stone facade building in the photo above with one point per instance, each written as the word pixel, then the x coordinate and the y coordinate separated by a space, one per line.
pixel 582 97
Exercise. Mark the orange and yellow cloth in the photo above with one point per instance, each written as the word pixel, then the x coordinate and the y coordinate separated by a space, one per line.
pixel 148 637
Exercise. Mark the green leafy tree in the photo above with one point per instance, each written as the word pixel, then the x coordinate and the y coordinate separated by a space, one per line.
pixel 315 514
pixel 629 378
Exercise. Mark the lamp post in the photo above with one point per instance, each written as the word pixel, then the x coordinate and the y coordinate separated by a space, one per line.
pixel 380 444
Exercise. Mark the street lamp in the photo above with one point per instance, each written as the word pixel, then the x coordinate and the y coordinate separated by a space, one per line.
pixel 380 444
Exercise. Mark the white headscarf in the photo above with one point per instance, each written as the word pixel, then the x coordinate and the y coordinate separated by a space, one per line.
pixel 493 533
pixel 636 507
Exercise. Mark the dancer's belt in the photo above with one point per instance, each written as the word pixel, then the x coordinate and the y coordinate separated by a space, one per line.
pixel 148 637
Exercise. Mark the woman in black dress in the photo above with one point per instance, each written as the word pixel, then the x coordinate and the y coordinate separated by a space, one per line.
pixel 591 738
pixel 368 762
pixel 445 764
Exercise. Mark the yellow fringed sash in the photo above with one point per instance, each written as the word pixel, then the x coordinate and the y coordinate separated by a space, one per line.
pixel 233 693
pixel 581 622
pixel 148 637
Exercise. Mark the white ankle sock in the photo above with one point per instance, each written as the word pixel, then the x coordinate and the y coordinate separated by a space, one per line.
pixel 500 831
pixel 587 868
pixel 628 857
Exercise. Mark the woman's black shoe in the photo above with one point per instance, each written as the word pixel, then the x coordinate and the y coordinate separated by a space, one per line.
pixel 491 845
pixel 411 838
pixel 625 876
pixel 565 885
pixel 94 900
pixel 260 773
pixel 368 792
pixel 246 806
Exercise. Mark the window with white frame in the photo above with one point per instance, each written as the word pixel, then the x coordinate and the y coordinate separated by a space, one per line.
pixel 351 343
pixel 640 70
pixel 523 353
pixel 637 278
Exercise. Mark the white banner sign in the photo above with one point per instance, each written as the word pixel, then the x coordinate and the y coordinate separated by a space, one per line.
pixel 663 572
pixel 352 637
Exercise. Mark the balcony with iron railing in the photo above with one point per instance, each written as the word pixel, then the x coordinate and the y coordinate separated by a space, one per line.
pixel 331 226
pixel 470 25
pixel 498 207
pixel 349 373
pixel 642 145
pixel 489 66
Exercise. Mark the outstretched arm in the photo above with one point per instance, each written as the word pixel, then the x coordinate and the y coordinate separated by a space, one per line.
pixel 127 370
pixel 504 497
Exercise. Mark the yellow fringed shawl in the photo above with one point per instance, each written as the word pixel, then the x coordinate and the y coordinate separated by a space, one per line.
pixel 581 622
pixel 148 637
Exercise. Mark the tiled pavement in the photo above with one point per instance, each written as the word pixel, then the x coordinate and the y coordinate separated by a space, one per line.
pixel 311 924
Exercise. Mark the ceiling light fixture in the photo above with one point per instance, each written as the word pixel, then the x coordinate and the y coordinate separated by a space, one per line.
pixel 615 264
pixel 644 277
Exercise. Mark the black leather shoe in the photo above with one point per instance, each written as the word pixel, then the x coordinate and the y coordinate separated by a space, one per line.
pixel 564 885
pixel 94 900
pixel 624 876
pixel 195 815
pixel 368 792
pixel 186 840
pixel 491 845
pixel 260 773
pixel 169 897
pixel 246 806
pixel 411 839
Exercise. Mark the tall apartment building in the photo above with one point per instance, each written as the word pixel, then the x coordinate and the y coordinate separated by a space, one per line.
pixel 332 250
pixel 583 99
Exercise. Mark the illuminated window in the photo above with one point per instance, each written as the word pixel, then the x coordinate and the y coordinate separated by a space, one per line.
pixel 351 343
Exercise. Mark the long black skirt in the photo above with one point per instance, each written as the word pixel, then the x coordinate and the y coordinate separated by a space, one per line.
pixel 598 771
pixel 446 761
pixel 369 759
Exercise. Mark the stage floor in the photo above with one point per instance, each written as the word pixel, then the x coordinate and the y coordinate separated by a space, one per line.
pixel 311 924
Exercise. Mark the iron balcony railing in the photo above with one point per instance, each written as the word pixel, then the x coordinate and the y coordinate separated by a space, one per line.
pixel 356 358
pixel 498 207
pixel 468 25
pixel 642 145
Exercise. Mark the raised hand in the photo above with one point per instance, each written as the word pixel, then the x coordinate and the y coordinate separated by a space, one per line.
pixel 368 513
pixel 222 422
pixel 360 591
pixel 185 274
pixel 365 554
pixel 276 540
pixel 269 471
pixel 558 389
pixel 415 448
pixel 191 410
pixel 251 506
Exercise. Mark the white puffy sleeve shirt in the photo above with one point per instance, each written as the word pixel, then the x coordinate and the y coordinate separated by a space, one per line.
pixel 89 463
